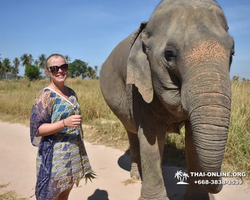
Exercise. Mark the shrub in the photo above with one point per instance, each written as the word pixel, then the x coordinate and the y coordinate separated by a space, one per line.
pixel 32 72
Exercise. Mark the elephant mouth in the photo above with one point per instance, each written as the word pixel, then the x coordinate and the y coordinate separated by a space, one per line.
pixel 171 99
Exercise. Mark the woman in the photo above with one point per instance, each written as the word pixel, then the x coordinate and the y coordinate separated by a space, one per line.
pixel 55 126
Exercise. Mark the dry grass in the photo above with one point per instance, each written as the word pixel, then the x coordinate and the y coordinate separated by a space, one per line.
pixel 237 155
pixel 17 98
pixel 130 181
pixel 9 195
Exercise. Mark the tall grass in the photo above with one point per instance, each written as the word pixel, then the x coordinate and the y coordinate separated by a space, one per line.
pixel 237 154
pixel 17 98
pixel 90 98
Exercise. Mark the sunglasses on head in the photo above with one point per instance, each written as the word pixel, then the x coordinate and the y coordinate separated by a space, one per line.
pixel 63 67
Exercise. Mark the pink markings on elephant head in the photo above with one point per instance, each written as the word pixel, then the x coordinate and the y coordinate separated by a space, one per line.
pixel 206 51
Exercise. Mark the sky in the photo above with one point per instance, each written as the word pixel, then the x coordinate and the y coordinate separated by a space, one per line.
pixel 89 30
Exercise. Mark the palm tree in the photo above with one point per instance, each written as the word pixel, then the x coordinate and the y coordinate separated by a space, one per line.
pixel 42 61
pixel 15 70
pixel 6 66
pixel 36 62
pixel 30 58
pixel 25 59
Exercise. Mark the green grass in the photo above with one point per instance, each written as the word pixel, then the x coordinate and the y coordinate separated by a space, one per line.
pixel 17 98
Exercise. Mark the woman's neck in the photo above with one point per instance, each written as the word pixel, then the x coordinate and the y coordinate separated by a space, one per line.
pixel 60 88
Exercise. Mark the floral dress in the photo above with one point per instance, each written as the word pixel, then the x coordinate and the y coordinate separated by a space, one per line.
pixel 62 159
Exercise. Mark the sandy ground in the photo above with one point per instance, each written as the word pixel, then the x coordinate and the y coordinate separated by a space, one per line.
pixel 17 167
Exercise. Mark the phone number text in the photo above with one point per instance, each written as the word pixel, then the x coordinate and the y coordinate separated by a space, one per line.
pixel 218 182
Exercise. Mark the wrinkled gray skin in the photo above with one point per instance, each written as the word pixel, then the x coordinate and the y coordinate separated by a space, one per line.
pixel 173 70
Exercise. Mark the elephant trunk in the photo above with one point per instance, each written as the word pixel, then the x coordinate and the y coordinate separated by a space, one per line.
pixel 208 102
pixel 210 128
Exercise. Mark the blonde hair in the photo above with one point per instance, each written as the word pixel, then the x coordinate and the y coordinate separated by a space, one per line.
pixel 54 55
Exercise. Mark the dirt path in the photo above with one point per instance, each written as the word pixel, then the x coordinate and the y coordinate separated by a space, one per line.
pixel 17 167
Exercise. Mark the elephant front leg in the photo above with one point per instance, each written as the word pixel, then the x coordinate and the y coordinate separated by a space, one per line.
pixel 134 148
pixel 194 191
pixel 153 187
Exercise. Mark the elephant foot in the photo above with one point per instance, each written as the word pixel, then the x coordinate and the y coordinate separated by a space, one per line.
pixel 134 172
pixel 162 198
pixel 135 175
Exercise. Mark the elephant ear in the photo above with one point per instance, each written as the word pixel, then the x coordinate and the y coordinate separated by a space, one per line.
pixel 138 68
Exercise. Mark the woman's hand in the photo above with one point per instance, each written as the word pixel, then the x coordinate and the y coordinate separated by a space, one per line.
pixel 73 121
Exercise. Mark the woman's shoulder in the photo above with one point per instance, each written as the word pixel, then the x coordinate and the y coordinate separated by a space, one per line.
pixel 48 91
pixel 44 95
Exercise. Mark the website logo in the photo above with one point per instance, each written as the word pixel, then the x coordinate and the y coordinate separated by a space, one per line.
pixel 182 177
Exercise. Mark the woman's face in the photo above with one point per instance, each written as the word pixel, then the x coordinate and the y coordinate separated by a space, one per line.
pixel 62 73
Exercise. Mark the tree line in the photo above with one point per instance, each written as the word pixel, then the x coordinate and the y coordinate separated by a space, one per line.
pixel 35 68
pixel 238 78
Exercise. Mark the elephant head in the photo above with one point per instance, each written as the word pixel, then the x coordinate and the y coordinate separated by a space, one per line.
pixel 182 56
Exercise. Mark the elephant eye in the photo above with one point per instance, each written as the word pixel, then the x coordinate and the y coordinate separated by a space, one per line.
pixel 170 54
pixel 233 52
pixel 231 57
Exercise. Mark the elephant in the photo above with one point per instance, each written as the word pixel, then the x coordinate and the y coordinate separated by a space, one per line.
pixel 173 71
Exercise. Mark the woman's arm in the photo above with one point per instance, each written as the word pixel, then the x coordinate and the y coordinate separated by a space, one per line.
pixel 52 128
pixel 49 129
